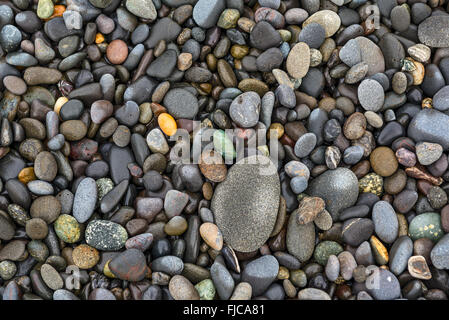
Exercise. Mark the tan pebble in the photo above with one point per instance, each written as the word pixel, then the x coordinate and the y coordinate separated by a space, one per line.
pixel 211 235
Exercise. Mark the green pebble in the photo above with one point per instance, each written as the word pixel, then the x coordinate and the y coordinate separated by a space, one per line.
pixel 426 225
pixel 104 185
pixel 228 19
pixel 223 145
pixel 206 289
pixel 38 250
pixel 45 9
pixel 325 249
pixel 7 270
pixel 298 278
pixel 67 228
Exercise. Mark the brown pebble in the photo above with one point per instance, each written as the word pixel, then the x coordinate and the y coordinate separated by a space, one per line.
pixel 117 51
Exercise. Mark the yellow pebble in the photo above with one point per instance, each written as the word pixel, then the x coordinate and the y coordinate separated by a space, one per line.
pixel 283 273
pixel 106 271
pixel 59 103
pixel 277 129
pixel 99 38
pixel 167 124
pixel 26 175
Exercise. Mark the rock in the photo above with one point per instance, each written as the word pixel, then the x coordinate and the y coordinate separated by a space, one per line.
pixel 428 153
pixel 305 144
pixel 357 230
pixel 182 289
pixel 309 208
pixel 175 202
pixel 300 239
pixel 325 249
pixel 418 268
pixel 298 60
pixel 170 265
pixel 338 188
pixel 181 104
pixel 206 289
pixel 383 161
pixel 211 235
pixel 222 279
pixel 85 257
pixel 328 19
pixel 142 8
pixel 426 225
pixel 105 235
pixel 260 273
pixel 263 36
pixel 245 109
pixel 362 49
pixel 385 221
pixel 207 12
pixel 439 254
pixel 67 228
pixel 400 252
pixel 383 285
pixel 246 201
pixel 130 265
pixel 313 294
pixel 431 31
pixel 429 125
pixel 371 95
pixel 85 200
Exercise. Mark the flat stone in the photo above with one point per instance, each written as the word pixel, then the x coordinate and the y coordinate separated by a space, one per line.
pixel 429 125
pixel 85 200
pixel 432 33
pixel 247 201
pixel 105 235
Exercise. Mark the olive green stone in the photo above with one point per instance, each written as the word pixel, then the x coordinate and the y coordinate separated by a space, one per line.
pixel 372 183
pixel 19 214
pixel 45 9
pixel 36 92
pixel 7 269
pixel 426 225
pixel 325 249
pixel 228 18
pixel 104 185
pixel 223 145
pixel 67 228
pixel 253 85
pixel 298 278
pixel 206 289
pixel 38 250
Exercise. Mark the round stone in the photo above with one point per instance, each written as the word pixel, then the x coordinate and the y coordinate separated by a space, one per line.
pixel 105 235
pixel 85 257
pixel 371 95
pixel 67 228
pixel 383 161
pixel 426 225
pixel 247 201
pixel 244 109
pixel 117 51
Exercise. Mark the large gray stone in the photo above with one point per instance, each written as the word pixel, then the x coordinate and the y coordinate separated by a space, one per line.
pixel 245 205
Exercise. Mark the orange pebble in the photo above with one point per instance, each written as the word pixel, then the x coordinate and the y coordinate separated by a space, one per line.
pixel 57 11
pixel 26 175
pixel 167 124
pixel 99 38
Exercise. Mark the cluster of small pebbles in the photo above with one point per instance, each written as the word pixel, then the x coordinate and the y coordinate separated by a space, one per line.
pixel 352 98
